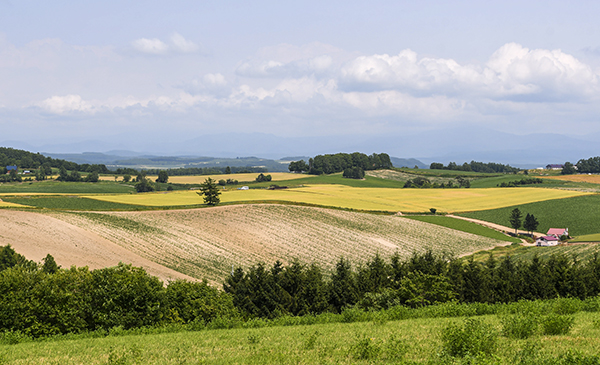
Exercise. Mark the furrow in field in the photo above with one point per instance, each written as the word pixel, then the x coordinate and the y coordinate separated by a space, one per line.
pixel 205 243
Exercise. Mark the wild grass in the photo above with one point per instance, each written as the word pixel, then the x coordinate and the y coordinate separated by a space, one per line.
pixel 580 214
pixel 526 253
pixel 327 340
pixel 464 226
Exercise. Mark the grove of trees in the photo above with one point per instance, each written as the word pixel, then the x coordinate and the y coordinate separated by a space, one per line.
pixel 490 167
pixel 329 164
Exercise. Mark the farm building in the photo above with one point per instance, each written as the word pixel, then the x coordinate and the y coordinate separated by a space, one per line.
pixel 244 188
pixel 546 241
pixel 558 232
pixel 9 168
pixel 554 167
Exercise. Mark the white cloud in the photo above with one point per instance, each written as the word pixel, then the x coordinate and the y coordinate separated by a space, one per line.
pixel 151 46
pixel 176 44
pixel 512 71
pixel 182 45
pixel 66 104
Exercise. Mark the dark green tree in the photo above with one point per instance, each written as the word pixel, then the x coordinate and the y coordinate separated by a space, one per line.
pixel 126 178
pixel 515 219
pixel 49 266
pixel 163 177
pixel 531 223
pixel 568 169
pixel 144 185
pixel 228 170
pixel 342 287
pixel 92 177
pixel 210 192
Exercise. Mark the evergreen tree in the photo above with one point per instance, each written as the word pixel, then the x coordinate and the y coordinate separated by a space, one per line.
pixel 50 266
pixel 210 192
pixel 531 223
pixel 342 288
pixel 515 219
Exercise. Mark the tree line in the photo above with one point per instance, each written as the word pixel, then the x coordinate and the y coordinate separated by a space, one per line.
pixel 44 299
pixel 28 160
pixel 591 165
pixel 490 167
pixel 332 163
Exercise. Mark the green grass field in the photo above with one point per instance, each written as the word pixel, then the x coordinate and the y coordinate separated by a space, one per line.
pixel 410 341
pixel 337 179
pixel 58 187
pixel 580 214
pixel 67 203
pixel 464 226
pixel 525 253
pixel 587 238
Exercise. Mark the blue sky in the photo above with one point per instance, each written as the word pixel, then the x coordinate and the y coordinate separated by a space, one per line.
pixel 183 69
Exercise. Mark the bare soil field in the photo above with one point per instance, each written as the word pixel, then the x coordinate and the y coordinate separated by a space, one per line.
pixel 206 243
pixel 35 235
pixel 593 179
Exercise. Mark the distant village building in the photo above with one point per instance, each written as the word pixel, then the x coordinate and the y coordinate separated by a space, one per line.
pixel 554 167
pixel 244 188
pixel 558 232
pixel 546 241
pixel 10 168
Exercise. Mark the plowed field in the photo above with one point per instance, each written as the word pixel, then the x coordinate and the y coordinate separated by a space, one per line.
pixel 593 179
pixel 205 243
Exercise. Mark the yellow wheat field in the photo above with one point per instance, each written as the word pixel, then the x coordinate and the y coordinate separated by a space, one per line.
pixel 594 179
pixel 374 199
pixel 13 205
pixel 198 179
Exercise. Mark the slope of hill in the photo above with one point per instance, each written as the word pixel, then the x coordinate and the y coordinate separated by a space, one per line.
pixel 205 243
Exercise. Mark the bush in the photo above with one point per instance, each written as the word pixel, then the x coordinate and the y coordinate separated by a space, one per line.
pixel 473 337
pixel 365 348
pixel 519 326
pixel 556 324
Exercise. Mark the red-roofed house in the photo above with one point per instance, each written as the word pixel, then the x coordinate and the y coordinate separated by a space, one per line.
pixel 558 232
pixel 546 241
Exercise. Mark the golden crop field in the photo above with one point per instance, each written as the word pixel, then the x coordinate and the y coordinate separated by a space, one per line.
pixel 198 179
pixel 7 204
pixel 382 199
pixel 594 179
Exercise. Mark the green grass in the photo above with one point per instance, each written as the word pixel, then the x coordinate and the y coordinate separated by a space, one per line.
pixel 580 214
pixel 494 181
pixel 526 253
pixel 449 173
pixel 587 238
pixel 368 182
pixel 69 203
pixel 464 226
pixel 412 341
pixel 58 187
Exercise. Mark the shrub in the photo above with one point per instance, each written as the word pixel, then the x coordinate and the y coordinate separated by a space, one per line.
pixel 471 338
pixel 365 348
pixel 519 326
pixel 556 324
pixel 566 305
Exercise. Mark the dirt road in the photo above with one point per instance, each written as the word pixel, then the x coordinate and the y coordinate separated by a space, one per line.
pixel 498 227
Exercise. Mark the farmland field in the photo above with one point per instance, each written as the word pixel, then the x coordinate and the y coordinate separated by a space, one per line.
pixel 580 214
pixel 587 238
pixel 199 179
pixel 205 243
pixel 374 199
pixel 581 252
pixel 55 187
pixel 409 341
pixel 464 226
pixel 66 202
pixel 593 179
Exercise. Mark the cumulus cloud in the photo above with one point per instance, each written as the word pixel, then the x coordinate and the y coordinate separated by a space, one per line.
pixel 513 71
pixel 212 83
pixel 66 104
pixel 176 44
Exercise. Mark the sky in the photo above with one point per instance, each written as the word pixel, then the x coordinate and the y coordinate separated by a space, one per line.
pixel 144 74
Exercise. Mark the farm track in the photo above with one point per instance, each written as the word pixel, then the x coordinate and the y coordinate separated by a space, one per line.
pixel 205 243
pixel 498 227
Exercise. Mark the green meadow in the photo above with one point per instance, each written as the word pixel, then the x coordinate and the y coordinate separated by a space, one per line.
pixel 580 214
pixel 464 226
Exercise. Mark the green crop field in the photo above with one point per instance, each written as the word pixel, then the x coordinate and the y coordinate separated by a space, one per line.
pixel 378 341
pixel 337 179
pixel 464 226
pixel 526 253
pixel 492 182
pixel 67 203
pixel 587 238
pixel 580 214
pixel 57 187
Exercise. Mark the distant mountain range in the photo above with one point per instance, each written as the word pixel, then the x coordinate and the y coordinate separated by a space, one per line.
pixel 417 148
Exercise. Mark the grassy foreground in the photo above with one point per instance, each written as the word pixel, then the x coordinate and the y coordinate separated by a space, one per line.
pixel 410 341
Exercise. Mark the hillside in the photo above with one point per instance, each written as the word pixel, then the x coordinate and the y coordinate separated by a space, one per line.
pixel 205 243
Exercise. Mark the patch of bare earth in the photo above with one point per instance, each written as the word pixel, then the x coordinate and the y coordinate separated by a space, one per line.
pixel 35 235
pixel 206 243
